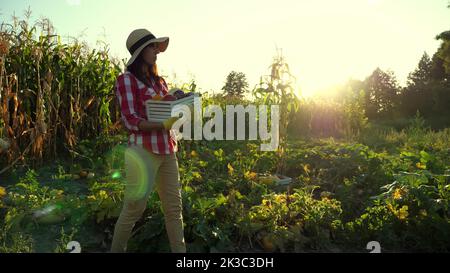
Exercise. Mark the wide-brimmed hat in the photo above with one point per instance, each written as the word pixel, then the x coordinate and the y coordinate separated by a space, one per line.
pixel 139 39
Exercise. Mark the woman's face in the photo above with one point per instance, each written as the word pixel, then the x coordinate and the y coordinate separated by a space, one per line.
pixel 149 54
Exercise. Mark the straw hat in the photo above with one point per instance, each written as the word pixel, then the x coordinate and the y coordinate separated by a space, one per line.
pixel 139 39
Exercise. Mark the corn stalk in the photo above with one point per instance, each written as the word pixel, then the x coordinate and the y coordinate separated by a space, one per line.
pixel 53 94
pixel 278 89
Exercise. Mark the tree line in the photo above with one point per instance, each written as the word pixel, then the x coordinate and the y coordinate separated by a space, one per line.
pixel 380 95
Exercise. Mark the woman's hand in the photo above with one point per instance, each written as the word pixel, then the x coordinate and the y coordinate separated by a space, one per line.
pixel 147 126
pixel 169 122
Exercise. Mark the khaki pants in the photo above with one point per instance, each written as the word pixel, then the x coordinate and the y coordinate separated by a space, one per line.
pixel 143 171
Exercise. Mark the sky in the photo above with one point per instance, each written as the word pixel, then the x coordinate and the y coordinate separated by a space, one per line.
pixel 325 42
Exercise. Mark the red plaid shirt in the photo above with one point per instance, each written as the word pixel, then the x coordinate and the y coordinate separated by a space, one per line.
pixel 132 94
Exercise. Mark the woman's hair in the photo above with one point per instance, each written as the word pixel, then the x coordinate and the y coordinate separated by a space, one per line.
pixel 136 69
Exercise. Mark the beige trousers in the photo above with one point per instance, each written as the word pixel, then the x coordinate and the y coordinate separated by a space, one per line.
pixel 144 170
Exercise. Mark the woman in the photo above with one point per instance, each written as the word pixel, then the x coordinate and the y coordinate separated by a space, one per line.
pixel 150 158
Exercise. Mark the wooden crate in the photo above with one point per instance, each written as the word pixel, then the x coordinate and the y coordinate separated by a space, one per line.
pixel 158 110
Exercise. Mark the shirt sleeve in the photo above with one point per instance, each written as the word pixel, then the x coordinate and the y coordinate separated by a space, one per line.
pixel 126 90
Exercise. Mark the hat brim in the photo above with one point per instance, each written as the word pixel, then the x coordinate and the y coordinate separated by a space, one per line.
pixel 163 43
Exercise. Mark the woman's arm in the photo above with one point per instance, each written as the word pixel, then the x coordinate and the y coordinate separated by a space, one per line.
pixel 125 92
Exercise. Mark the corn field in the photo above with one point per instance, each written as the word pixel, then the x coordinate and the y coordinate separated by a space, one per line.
pixel 52 94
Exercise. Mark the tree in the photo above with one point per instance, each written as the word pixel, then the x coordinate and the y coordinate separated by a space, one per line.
pixel 422 74
pixel 441 71
pixel 444 51
pixel 381 94
pixel 428 89
pixel 236 84
pixel 416 96
pixel 437 69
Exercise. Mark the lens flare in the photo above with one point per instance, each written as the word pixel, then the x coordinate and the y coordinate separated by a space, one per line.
pixel 116 175
pixel 137 176
pixel 114 158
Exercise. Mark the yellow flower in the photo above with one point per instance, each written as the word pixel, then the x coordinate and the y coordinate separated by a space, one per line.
pixel 103 194
pixel 266 203
pixel 250 175
pixel 391 208
pixel 194 153
pixel 92 197
pixel 230 169
pixel 197 176
pixel 306 168
pixel 2 192
pixel 421 166
pixel 402 213
pixel 397 194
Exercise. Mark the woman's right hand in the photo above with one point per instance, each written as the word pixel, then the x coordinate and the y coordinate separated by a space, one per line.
pixel 169 122
pixel 147 126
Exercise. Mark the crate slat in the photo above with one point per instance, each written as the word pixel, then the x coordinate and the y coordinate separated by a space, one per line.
pixel 158 111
